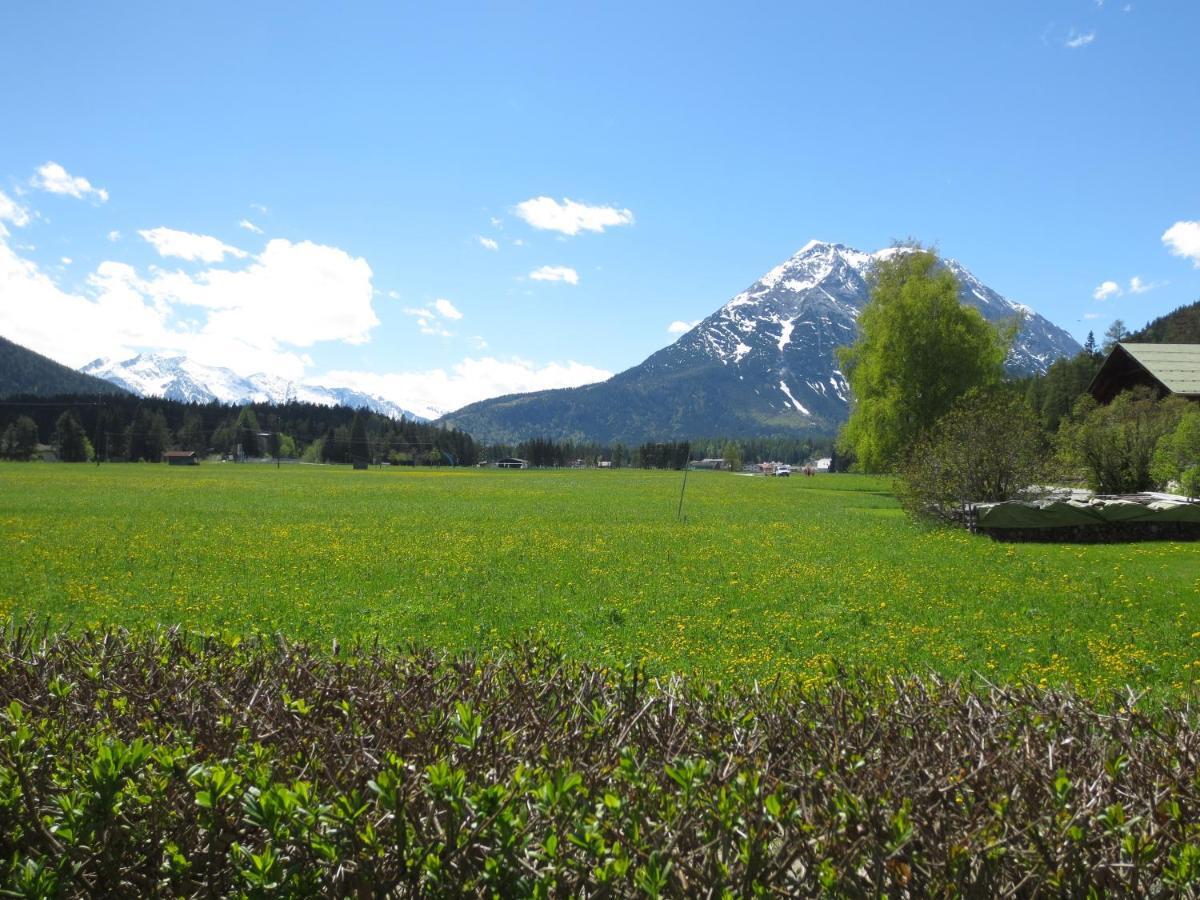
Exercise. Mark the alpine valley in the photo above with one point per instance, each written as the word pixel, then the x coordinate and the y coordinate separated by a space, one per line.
pixel 179 378
pixel 764 363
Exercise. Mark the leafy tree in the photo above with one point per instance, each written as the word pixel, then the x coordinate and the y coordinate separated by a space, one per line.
pixel 1177 455
pixel 20 439
pixel 1114 445
pixel 918 350
pixel 988 448
pixel 732 454
pixel 70 440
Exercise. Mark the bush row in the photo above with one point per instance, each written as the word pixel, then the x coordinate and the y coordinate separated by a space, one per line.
pixel 165 764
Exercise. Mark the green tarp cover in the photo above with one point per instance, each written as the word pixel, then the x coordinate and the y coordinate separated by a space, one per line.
pixel 1068 513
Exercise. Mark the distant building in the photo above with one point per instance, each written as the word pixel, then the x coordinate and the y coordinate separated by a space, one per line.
pixel 511 462
pixel 823 464
pixel 605 464
pixel 181 458
pixel 708 464
pixel 1166 368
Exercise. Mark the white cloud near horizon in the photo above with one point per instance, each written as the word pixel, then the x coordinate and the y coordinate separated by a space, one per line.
pixel 1183 239
pixel 252 320
pixel 189 246
pixel 555 273
pixel 488 243
pixel 55 179
pixel 435 391
pixel 681 327
pixel 250 226
pixel 570 217
pixel 1077 39
pixel 1105 290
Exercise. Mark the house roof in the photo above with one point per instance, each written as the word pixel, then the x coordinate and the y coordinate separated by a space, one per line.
pixel 1174 368
pixel 178 454
pixel 1177 366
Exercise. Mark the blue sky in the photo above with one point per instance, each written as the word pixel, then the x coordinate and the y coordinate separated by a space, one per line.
pixel 352 166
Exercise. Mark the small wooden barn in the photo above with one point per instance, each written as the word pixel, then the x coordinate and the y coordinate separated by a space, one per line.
pixel 511 462
pixel 181 458
pixel 1167 368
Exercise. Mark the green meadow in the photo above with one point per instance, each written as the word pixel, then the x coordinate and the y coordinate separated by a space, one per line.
pixel 759 577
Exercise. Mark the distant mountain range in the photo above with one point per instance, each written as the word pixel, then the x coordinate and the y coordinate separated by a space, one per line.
pixel 24 372
pixel 764 363
pixel 179 378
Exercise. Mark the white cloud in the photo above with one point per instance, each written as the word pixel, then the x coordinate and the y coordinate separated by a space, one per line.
pixel 114 235
pixel 488 243
pixel 1076 39
pixel 428 319
pixel 1183 239
pixel 251 320
pixel 1105 290
pixel 570 217
pixel 395 295
pixel 1137 286
pixel 555 273
pixel 435 391
pixel 446 309
pixel 12 212
pixel 1090 316
pixel 54 178
pixel 260 208
pixel 66 260
pixel 680 327
pixel 185 245
pixel 249 226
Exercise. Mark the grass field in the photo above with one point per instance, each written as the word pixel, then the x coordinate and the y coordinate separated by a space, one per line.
pixel 763 576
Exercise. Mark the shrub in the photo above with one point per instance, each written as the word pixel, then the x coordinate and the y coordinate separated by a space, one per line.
pixel 173 766
pixel 988 448
pixel 1114 445
pixel 1177 454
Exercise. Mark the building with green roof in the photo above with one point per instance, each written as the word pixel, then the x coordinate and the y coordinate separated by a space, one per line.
pixel 1166 368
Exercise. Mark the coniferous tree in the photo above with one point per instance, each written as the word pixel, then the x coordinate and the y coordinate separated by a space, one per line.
pixel 70 440
pixel 359 449
pixel 247 433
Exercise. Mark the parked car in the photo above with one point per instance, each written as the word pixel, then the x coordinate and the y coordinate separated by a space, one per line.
pixel 783 471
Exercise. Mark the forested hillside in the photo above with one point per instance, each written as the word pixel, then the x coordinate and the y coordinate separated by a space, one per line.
pixel 1182 326
pixel 24 372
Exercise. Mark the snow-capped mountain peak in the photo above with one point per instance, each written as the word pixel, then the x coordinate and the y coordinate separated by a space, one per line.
pixel 792 319
pixel 179 378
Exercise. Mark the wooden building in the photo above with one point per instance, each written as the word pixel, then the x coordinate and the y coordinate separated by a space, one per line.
pixel 511 462
pixel 1167 368
pixel 181 458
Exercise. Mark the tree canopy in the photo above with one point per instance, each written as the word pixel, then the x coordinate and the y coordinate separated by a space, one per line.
pixel 918 350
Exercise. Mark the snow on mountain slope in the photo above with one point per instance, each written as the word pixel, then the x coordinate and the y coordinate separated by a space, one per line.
pixel 178 378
